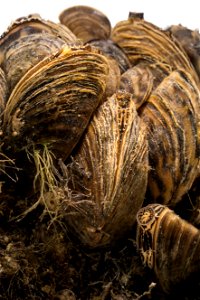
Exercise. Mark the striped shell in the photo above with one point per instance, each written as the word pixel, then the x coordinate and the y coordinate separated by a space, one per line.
pixel 86 22
pixel 190 41
pixel 53 102
pixel 172 116
pixel 108 173
pixel 26 42
pixel 3 92
pixel 139 82
pixel 168 244
pixel 144 42
pixel 109 48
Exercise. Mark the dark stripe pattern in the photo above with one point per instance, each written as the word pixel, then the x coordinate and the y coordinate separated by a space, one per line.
pixel 54 100
pixel 87 23
pixel 168 244
pixel 172 116
pixel 108 175
pixel 143 41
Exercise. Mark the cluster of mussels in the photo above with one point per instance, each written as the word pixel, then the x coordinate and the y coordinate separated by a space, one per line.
pixel 100 121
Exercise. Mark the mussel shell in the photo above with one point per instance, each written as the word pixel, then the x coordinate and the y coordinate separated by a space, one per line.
pixel 192 198
pixel 27 41
pixel 109 48
pixel 138 81
pixel 143 41
pixel 168 244
pixel 190 41
pixel 113 78
pixel 3 91
pixel 142 79
pixel 25 52
pixel 86 22
pixel 54 100
pixel 31 24
pixel 172 116
pixel 108 173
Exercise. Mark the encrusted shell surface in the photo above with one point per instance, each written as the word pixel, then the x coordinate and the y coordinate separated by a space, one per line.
pixel 172 116
pixel 108 173
pixel 168 244
pixel 86 22
pixel 54 100
pixel 143 41
pixel 26 42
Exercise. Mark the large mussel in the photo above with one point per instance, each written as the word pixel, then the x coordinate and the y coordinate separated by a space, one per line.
pixel 107 177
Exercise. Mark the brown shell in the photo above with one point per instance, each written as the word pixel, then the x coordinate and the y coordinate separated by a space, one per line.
pixel 53 102
pixel 3 91
pixel 172 116
pixel 109 48
pixel 86 22
pixel 190 41
pixel 138 81
pixel 143 41
pixel 26 52
pixel 113 78
pixel 108 173
pixel 28 41
pixel 192 198
pixel 142 79
pixel 32 24
pixel 168 244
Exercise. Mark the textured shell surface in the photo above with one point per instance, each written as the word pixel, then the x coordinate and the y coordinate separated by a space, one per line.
pixel 26 52
pixel 190 41
pixel 113 78
pixel 3 90
pixel 139 82
pixel 109 48
pixel 142 79
pixel 143 41
pixel 168 244
pixel 172 115
pixel 33 24
pixel 86 22
pixel 108 173
pixel 26 42
pixel 54 100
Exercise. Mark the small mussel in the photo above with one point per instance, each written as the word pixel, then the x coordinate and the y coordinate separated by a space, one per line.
pixel 86 22
pixel 53 102
pixel 108 173
pixel 138 81
pixel 142 79
pixel 168 244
